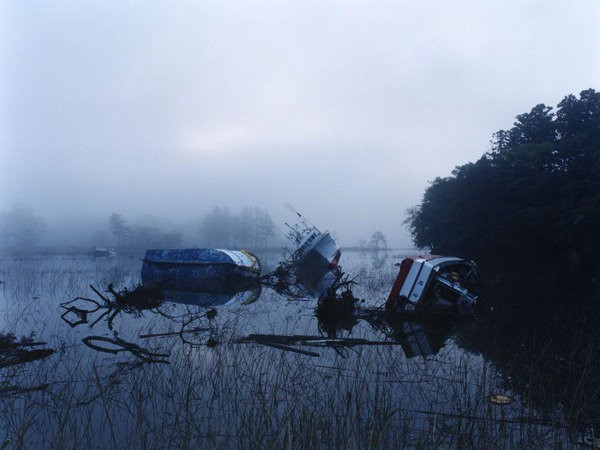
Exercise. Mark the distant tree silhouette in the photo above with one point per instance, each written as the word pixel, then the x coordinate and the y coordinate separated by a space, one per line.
pixel 216 228
pixel 537 191
pixel 21 230
pixel 378 240
pixel 251 228
pixel 119 228
pixel 144 237
pixel 264 226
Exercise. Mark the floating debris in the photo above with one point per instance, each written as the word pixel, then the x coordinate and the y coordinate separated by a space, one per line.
pixel 283 281
pixel 140 298
pixel 19 356
pixel 14 352
pixel 336 312
pixel 499 399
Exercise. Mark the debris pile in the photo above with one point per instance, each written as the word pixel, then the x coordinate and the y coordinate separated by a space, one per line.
pixel 336 312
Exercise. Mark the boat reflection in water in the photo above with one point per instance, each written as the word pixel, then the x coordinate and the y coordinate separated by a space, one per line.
pixel 315 274
pixel 244 296
pixel 420 338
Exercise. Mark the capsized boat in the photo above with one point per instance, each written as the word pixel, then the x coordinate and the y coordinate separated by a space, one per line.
pixel 203 269
pixel 315 255
pixel 432 282
pixel 315 275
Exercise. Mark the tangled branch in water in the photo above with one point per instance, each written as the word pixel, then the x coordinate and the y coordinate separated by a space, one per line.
pixel 129 301
pixel 124 346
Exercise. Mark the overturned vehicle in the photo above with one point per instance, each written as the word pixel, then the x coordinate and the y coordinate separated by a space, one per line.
pixel 435 284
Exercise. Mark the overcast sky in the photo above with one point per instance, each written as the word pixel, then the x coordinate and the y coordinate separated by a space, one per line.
pixel 346 110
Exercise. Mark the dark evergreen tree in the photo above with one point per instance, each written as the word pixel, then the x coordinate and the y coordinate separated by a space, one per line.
pixel 536 192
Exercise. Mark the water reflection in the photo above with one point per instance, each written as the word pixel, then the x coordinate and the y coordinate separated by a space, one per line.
pixel 232 364
pixel 379 259
pixel 541 330
pixel 14 352
pixel 208 298
pixel 17 353
pixel 424 337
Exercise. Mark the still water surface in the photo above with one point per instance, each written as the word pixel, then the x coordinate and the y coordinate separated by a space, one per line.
pixel 425 383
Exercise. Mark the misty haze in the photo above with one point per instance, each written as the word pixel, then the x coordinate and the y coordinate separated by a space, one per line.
pixel 299 225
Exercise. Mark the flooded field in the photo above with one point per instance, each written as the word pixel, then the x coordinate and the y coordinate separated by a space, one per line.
pixel 267 374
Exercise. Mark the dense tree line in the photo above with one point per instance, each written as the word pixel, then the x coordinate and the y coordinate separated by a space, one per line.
pixel 21 230
pixel 251 228
pixel 139 238
pixel 537 191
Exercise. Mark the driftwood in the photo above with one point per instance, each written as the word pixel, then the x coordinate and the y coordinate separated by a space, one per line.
pixel 9 345
pixel 174 333
pixel 13 352
pixel 285 342
pixel 270 343
pixel 23 356
pixel 140 352
pixel 7 391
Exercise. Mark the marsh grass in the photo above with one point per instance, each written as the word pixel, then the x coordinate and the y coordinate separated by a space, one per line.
pixel 246 396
